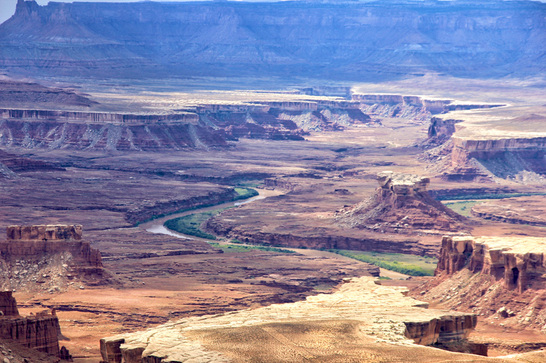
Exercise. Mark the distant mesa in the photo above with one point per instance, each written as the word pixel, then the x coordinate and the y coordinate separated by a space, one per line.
pixel 340 40
pixel 462 151
pixel 401 204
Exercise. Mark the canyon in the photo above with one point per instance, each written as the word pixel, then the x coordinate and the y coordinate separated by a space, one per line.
pixel 311 183
pixel 407 132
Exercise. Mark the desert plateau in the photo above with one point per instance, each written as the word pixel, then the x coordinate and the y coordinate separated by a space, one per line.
pixel 273 181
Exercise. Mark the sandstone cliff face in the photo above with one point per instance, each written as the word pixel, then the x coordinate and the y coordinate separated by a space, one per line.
pixel 372 312
pixel 38 331
pixel 503 156
pixel 8 305
pixel 501 278
pixel 401 203
pixel 47 257
pixel 333 40
pixel 519 263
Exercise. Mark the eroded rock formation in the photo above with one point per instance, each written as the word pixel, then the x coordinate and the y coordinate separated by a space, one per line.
pixel 469 150
pixel 502 278
pixel 361 307
pixel 48 257
pixel 38 331
pixel 401 203
pixel 519 262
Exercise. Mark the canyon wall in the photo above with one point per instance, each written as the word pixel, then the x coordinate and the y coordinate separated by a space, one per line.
pixel 50 134
pixel 519 262
pixel 356 41
pixel 202 126
pixel 500 278
pixel 503 156
pixel 38 331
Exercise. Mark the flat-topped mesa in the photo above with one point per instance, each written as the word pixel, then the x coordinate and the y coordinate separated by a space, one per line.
pixel 98 117
pixel 515 154
pixel 402 204
pixel 519 261
pixel 45 232
pixel 47 256
pixel 399 187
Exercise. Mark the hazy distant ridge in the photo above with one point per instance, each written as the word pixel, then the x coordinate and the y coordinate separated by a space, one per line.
pixel 355 41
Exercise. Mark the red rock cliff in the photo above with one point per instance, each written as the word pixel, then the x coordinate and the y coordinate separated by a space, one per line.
pixel 38 332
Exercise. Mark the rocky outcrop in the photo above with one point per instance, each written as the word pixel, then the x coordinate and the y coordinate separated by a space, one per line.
pixel 8 305
pixel 519 262
pixel 442 330
pixel 376 312
pixel 500 278
pixel 38 331
pixel 401 203
pixel 440 131
pixel 340 40
pixel 47 257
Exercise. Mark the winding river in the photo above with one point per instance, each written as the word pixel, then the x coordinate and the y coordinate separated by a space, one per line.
pixel 156 225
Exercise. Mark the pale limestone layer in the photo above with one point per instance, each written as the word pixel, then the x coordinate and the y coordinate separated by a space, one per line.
pixel 382 312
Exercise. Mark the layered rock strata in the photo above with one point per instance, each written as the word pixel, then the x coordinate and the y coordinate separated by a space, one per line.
pixel 501 278
pixel 201 125
pixel 333 40
pixel 503 156
pixel 47 256
pixel 360 304
pixel 38 331
pixel 401 203
pixel 8 305
pixel 519 262
pixel 112 131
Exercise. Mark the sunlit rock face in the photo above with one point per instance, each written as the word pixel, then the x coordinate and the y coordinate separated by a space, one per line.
pixel 333 40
